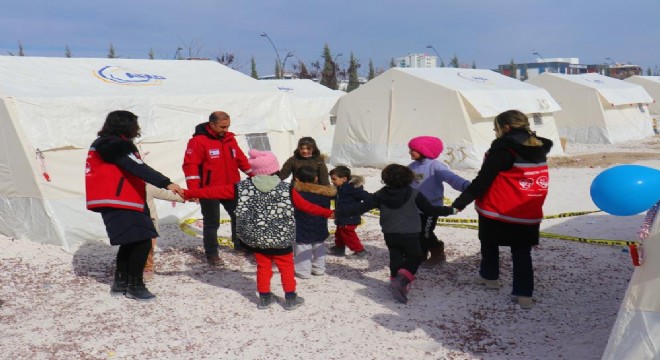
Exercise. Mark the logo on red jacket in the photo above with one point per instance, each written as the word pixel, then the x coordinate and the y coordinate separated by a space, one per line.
pixel 88 168
pixel 542 181
pixel 526 184
pixel 214 153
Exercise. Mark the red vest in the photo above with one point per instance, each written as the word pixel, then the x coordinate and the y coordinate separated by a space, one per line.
pixel 516 195
pixel 107 185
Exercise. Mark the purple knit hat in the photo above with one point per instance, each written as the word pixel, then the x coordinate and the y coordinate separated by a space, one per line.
pixel 428 146
pixel 263 162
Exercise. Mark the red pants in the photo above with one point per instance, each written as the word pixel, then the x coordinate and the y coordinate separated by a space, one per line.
pixel 345 235
pixel 284 264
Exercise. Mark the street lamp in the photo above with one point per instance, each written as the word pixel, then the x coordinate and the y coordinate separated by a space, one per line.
pixel 279 60
pixel 610 60
pixel 436 52
pixel 534 52
pixel 288 55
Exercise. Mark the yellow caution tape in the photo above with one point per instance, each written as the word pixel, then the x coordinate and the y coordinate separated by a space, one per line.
pixel 222 241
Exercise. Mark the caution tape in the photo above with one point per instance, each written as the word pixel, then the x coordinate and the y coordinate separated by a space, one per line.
pixel 185 226
pixel 556 236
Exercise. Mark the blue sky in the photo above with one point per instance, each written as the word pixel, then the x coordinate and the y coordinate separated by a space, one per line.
pixel 488 32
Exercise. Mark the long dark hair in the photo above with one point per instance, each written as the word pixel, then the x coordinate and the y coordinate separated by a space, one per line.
pixel 121 123
pixel 308 141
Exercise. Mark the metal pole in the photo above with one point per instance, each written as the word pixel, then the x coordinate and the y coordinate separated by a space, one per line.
pixel 279 60
pixel 436 52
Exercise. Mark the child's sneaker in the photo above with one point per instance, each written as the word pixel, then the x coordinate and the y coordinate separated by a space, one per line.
pixel 337 250
pixel 293 302
pixel 265 301
pixel 303 276
pixel 360 254
pixel 525 302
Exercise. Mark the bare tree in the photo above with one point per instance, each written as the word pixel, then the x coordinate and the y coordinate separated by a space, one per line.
pixel 193 47
pixel 111 52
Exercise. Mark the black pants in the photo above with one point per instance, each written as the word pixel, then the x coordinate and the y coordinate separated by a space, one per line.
pixel 211 217
pixel 428 240
pixel 523 272
pixel 404 252
pixel 132 257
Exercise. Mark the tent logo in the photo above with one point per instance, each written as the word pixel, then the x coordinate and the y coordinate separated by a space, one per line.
pixel 123 76
pixel 478 79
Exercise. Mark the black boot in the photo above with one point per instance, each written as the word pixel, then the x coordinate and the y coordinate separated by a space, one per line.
pixel 137 290
pixel 120 285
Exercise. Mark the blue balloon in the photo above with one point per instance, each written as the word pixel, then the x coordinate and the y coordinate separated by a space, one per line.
pixel 626 190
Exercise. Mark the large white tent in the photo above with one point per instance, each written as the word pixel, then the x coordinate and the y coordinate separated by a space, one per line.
pixel 376 121
pixel 311 103
pixel 598 109
pixel 652 86
pixel 52 108
pixel 636 331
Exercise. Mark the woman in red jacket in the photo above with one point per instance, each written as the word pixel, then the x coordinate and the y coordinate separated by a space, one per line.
pixel 115 187
pixel 509 192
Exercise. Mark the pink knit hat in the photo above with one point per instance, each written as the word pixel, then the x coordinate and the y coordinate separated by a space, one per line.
pixel 263 162
pixel 428 146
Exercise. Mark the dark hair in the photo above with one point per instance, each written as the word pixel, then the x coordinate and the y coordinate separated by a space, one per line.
pixel 306 174
pixel 218 115
pixel 308 141
pixel 340 172
pixel 121 123
pixel 397 176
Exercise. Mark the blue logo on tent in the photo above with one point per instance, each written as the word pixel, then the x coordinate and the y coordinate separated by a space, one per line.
pixel 478 79
pixel 124 76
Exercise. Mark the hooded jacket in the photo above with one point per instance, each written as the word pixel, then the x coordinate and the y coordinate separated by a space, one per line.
pixel 348 195
pixel 211 160
pixel 313 229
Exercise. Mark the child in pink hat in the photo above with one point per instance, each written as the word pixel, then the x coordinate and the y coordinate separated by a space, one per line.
pixel 430 175
pixel 265 222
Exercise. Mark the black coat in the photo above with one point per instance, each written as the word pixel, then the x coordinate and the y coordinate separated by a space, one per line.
pixel 499 158
pixel 127 226
pixel 349 195
pixel 312 229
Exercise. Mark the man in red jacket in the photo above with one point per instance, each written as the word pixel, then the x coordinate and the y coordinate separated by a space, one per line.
pixel 214 158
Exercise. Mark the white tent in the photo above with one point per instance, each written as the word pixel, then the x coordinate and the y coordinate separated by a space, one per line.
pixel 311 103
pixel 652 86
pixel 598 109
pixel 52 108
pixel 376 121
pixel 636 331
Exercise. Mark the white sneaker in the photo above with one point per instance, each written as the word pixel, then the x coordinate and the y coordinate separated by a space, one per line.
pixel 525 302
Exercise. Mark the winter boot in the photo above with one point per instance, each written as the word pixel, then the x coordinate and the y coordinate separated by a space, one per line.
pixel 525 302
pixel 137 290
pixel 293 302
pixel 337 250
pixel 265 301
pixel 437 256
pixel 400 285
pixel 120 284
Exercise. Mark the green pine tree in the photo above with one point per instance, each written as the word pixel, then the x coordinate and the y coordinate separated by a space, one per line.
pixel 372 71
pixel 392 63
pixel 353 82
pixel 648 71
pixel 67 51
pixel 253 68
pixel 151 54
pixel 304 73
pixel 454 62
pixel 329 72
pixel 474 64
pixel 20 49
pixel 111 52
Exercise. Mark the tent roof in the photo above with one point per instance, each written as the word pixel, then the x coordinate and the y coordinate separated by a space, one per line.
pixel 488 92
pixel 304 88
pixel 25 76
pixel 615 91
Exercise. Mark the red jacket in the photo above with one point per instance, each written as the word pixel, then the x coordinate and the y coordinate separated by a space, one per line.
pixel 228 192
pixel 107 185
pixel 211 160
pixel 517 194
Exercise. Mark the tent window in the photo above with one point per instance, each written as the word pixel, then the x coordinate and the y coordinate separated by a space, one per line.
pixel 333 119
pixel 538 119
pixel 258 141
pixel 641 108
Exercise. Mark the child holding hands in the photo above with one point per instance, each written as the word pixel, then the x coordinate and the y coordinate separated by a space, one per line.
pixel 399 206
pixel 265 222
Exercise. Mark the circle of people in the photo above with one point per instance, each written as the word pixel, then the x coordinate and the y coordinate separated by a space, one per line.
pixel 286 223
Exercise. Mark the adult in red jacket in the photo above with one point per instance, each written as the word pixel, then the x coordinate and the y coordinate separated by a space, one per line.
pixel 213 158
pixel 115 187
pixel 509 192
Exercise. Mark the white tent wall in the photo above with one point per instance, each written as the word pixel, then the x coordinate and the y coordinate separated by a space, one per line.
pixel 61 117
pixel 636 331
pixel 652 85
pixel 376 121
pixel 597 109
